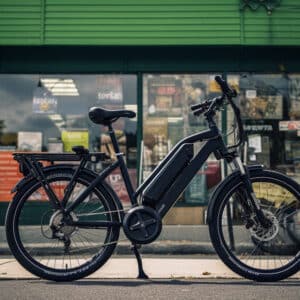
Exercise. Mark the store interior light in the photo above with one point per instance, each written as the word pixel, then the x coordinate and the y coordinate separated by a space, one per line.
pixel 58 120
pixel 132 107
pixel 174 119
pixel 55 117
pixel 60 87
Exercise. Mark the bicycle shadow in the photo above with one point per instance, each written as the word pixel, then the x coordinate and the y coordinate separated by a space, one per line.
pixel 183 282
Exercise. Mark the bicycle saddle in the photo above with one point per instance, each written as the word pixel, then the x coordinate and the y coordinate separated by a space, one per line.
pixel 99 115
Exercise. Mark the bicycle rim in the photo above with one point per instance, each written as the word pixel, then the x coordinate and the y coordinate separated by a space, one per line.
pixel 258 250
pixel 72 250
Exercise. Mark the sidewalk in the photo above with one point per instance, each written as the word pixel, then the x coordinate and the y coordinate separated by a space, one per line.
pixel 174 240
pixel 156 268
pixel 127 268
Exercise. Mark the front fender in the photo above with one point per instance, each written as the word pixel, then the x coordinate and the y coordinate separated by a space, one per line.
pixel 222 184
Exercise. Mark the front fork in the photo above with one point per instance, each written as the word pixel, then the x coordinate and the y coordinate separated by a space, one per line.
pixel 236 164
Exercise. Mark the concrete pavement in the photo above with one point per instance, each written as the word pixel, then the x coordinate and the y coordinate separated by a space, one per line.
pixel 121 268
pixel 173 240
pixel 156 268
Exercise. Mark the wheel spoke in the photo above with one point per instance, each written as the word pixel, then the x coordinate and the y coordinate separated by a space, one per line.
pixel 258 248
pixel 51 240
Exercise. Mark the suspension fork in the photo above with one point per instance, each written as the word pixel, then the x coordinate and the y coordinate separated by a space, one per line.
pixel 236 163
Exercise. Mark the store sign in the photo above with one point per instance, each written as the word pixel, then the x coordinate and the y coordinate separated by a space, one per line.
pixel 264 128
pixel 110 89
pixel 44 105
pixel 44 102
pixel 289 125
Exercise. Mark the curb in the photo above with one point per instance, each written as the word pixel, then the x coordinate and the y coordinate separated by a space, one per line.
pixel 158 248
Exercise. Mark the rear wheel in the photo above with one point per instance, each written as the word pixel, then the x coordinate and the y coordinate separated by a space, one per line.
pixel 245 246
pixel 45 245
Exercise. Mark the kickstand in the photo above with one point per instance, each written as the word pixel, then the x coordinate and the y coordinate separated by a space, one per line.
pixel 142 274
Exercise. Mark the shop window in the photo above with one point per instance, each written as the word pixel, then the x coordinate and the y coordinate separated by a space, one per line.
pixel 167 119
pixel 270 107
pixel 50 113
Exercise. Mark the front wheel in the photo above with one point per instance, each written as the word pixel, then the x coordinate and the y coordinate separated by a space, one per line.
pixel 245 246
pixel 46 246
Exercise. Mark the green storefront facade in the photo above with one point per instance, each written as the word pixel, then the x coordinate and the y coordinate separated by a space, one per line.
pixel 157 57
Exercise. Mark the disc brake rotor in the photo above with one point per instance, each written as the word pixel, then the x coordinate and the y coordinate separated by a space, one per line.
pixel 266 234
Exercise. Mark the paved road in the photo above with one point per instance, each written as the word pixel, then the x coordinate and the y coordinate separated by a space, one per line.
pixel 155 289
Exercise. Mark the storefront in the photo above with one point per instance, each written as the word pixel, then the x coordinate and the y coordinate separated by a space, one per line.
pixel 47 87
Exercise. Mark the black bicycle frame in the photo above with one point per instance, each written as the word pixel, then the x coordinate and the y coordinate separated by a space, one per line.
pixel 213 144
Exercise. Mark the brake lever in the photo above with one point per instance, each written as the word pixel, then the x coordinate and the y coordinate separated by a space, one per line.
pixel 200 105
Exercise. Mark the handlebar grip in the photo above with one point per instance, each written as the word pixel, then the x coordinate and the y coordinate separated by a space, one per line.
pixel 199 111
pixel 225 87
pixel 204 104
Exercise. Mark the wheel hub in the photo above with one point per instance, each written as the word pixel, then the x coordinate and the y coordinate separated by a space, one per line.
pixel 59 227
pixel 266 234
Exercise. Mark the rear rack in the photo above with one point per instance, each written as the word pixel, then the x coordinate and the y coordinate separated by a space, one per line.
pixel 53 157
pixel 31 161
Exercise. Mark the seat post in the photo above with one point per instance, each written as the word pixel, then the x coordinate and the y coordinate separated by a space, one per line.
pixel 123 167
pixel 113 138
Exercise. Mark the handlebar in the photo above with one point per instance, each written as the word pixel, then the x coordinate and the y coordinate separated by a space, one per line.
pixel 210 106
pixel 227 91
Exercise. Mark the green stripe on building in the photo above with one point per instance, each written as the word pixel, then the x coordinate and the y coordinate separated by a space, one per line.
pixel 148 22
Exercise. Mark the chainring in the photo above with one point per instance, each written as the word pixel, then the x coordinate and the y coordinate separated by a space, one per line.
pixel 142 225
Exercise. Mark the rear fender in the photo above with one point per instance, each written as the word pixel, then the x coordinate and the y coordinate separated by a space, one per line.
pixel 103 186
pixel 27 179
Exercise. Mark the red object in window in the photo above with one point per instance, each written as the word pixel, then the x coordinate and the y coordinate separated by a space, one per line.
pixel 117 183
pixel 166 90
pixel 9 175
pixel 213 174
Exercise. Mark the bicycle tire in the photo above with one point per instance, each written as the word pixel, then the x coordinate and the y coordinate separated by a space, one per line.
pixel 287 232
pixel 228 235
pixel 293 228
pixel 33 259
